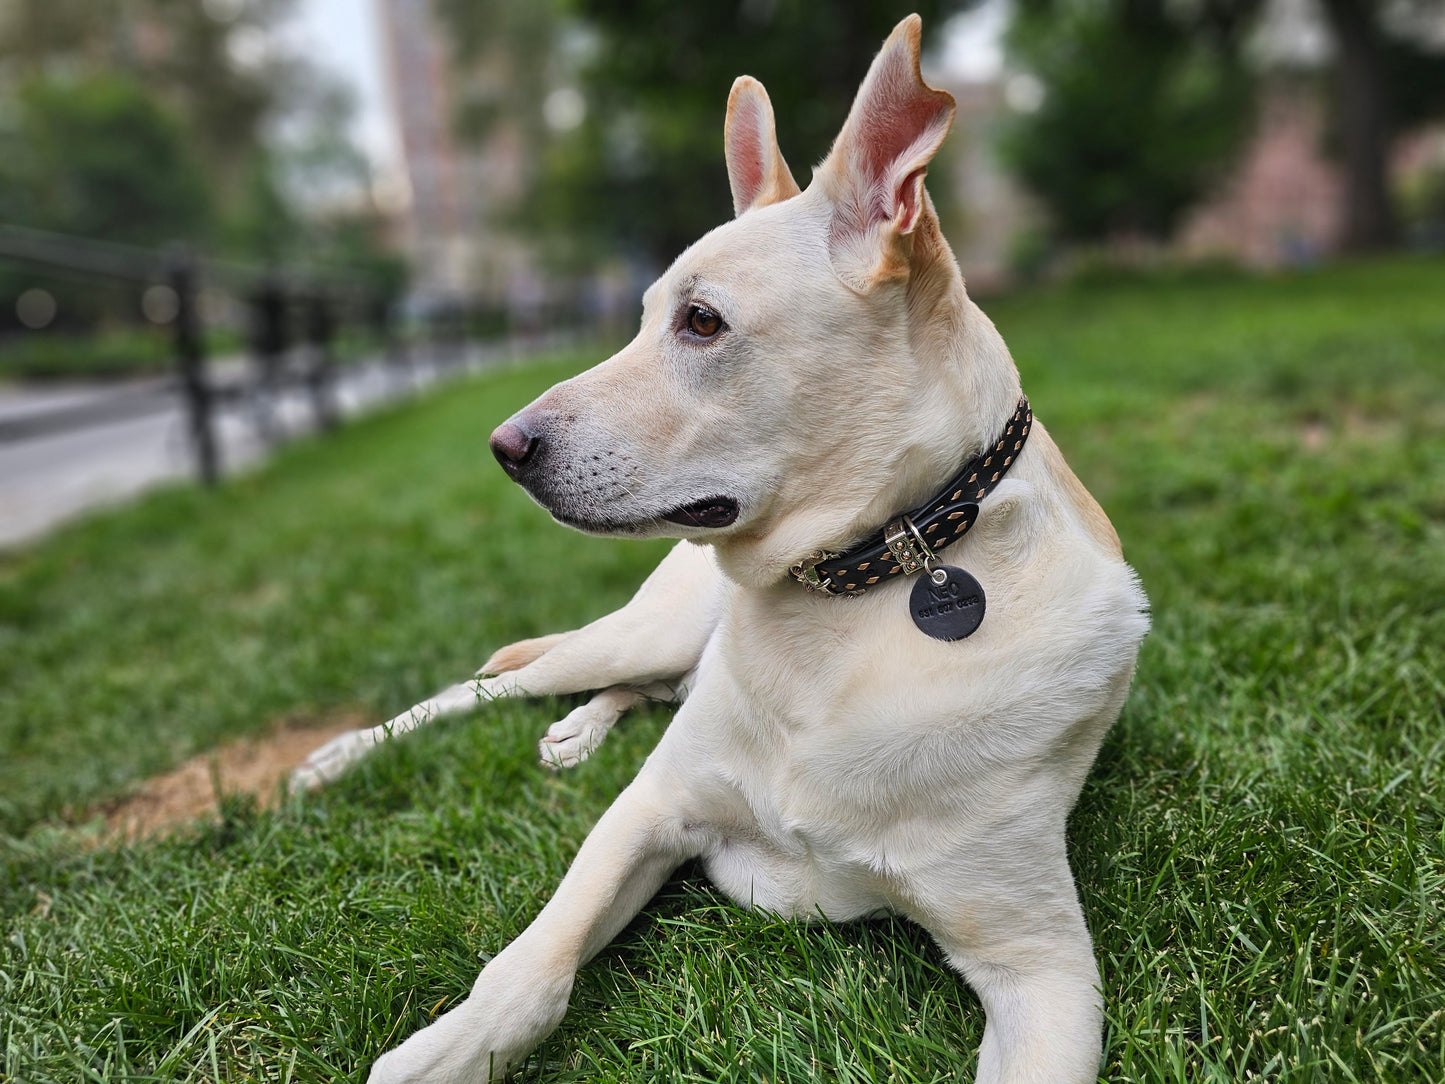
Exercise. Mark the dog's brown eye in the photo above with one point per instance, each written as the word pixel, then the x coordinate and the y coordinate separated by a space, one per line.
pixel 704 322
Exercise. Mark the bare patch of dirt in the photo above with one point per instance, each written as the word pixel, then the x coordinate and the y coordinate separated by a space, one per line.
pixel 254 766
pixel 1314 435
pixel 1349 426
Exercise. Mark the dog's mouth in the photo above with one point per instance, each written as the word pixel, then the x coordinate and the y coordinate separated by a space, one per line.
pixel 711 512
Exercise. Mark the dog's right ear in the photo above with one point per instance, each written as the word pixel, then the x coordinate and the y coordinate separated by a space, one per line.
pixel 756 170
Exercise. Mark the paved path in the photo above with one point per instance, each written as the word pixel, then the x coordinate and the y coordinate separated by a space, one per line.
pixel 64 451
pixel 37 411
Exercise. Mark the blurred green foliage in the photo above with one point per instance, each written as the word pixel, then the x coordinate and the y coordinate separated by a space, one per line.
pixel 142 60
pixel 1146 103
pixel 1147 100
pixel 1141 109
pixel 153 122
pixel 1144 100
pixel 111 352
pixel 644 172
pixel 145 121
pixel 100 157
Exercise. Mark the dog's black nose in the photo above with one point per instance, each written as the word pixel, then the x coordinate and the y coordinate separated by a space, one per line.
pixel 514 446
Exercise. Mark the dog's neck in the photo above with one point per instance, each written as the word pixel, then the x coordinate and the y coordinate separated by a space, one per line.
pixel 978 369
pixel 971 385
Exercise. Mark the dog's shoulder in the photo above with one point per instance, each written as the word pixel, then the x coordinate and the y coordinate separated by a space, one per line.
pixel 1077 500
pixel 1055 562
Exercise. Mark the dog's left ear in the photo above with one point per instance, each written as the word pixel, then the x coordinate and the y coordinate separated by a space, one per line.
pixel 756 170
pixel 874 173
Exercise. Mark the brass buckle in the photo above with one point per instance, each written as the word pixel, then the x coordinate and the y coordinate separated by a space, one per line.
pixel 806 573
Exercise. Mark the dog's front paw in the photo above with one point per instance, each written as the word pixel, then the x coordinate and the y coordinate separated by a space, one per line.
pixel 513 1006
pixel 571 740
pixel 333 758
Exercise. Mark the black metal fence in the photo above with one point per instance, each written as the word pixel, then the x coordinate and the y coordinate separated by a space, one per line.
pixel 287 321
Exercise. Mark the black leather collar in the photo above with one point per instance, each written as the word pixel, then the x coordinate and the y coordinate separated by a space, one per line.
pixel 900 546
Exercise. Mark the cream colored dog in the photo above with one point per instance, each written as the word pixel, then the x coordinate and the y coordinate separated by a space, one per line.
pixel 802 374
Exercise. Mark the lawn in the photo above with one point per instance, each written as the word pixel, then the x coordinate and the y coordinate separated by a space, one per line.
pixel 1260 850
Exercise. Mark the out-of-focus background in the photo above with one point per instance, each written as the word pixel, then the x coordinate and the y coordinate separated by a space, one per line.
pixel 224 221
pixel 272 270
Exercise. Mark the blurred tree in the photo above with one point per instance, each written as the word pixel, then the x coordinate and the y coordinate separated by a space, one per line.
pixel 262 224
pixel 215 71
pixel 1143 101
pixel 101 158
pixel 97 157
pixel 1146 98
pixel 646 172
pixel 355 242
pixel 1362 112
pixel 181 50
pixel 1385 75
pixel 151 121
pixel 314 157
pixel 312 203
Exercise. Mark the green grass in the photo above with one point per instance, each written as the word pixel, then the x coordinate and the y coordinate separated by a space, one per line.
pixel 1260 850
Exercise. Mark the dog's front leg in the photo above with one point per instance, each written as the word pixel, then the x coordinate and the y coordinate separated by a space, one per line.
pixel 1009 919
pixel 522 994
pixel 572 739
pixel 658 636
pixel 333 758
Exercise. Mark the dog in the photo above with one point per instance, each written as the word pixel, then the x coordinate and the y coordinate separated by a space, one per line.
pixel 882 710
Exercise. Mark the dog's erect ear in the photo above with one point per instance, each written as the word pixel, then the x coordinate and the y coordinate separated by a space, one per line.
pixel 756 170
pixel 874 173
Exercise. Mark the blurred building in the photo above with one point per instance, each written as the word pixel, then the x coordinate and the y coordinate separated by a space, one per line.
pixel 439 221
pixel 988 216
pixel 450 225
pixel 1282 203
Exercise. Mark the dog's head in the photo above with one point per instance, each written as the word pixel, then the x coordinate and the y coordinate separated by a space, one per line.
pixel 799 369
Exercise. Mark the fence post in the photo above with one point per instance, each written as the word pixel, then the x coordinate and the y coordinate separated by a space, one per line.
pixel 191 365
pixel 320 330
pixel 393 350
pixel 269 341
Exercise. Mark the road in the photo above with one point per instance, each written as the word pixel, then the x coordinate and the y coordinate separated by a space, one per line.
pixel 64 452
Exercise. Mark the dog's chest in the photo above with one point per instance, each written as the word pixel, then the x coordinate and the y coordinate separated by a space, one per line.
pixel 839 733
pixel 847 730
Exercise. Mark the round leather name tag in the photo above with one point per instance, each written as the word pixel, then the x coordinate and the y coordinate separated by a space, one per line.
pixel 949 610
